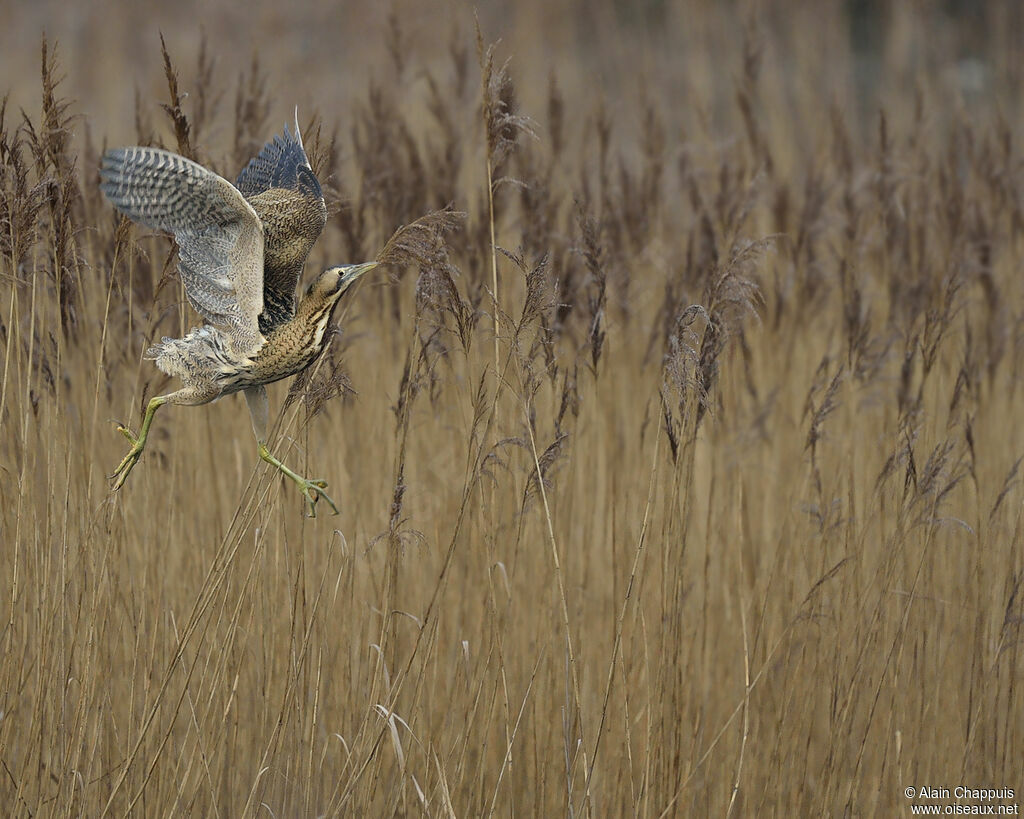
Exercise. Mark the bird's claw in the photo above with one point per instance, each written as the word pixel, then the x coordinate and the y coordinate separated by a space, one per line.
pixel 121 473
pixel 313 490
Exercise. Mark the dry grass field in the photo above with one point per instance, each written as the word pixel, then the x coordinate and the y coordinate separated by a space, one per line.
pixel 683 477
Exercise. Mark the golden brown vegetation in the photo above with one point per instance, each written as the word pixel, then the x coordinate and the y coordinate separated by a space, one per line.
pixel 724 518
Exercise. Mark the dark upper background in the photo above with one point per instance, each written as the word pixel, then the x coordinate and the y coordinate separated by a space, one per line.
pixel 322 56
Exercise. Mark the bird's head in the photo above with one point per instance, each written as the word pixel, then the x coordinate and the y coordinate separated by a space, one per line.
pixel 336 280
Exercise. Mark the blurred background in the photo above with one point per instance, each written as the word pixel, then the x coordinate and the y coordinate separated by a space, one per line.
pixel 681 479
pixel 866 53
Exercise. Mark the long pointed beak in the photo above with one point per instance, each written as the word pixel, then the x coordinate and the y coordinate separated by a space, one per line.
pixel 353 272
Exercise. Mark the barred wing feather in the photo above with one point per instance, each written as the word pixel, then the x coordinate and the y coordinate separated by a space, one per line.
pixel 219 235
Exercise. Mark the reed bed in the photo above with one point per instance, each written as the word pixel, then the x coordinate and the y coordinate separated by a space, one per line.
pixel 676 449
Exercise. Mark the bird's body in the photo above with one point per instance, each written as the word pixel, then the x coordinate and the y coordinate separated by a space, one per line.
pixel 241 251
pixel 206 359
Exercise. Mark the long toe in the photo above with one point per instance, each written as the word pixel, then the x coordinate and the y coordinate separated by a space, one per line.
pixel 127 462
pixel 121 473
pixel 314 490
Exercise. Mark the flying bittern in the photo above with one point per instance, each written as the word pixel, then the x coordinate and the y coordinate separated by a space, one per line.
pixel 241 250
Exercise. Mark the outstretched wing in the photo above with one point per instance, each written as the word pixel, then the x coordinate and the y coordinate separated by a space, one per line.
pixel 281 187
pixel 219 235
pixel 282 163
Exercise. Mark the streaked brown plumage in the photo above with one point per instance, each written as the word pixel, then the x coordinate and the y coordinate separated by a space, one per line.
pixel 241 250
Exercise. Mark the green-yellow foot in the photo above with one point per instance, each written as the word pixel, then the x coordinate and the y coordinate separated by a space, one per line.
pixel 312 489
pixel 138 444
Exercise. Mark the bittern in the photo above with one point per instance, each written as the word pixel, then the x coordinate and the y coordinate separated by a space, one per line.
pixel 241 250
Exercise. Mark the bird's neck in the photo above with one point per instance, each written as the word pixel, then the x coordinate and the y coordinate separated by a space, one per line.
pixel 314 315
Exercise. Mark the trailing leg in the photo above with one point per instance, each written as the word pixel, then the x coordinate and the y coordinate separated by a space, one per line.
pixel 311 488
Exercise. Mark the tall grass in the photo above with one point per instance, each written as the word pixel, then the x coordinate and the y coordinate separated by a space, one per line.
pixel 675 450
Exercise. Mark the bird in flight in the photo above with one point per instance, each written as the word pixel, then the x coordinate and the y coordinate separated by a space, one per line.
pixel 241 250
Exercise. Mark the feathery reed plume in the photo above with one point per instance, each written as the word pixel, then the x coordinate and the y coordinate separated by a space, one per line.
pixel 50 146
pixel 422 243
pixel 503 125
pixel 252 112
pixel 592 251
pixel 182 127
pixel 21 199
pixel 208 94
pixel 415 243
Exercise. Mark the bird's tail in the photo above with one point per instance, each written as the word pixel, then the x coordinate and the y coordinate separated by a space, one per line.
pixel 182 357
pixel 167 355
